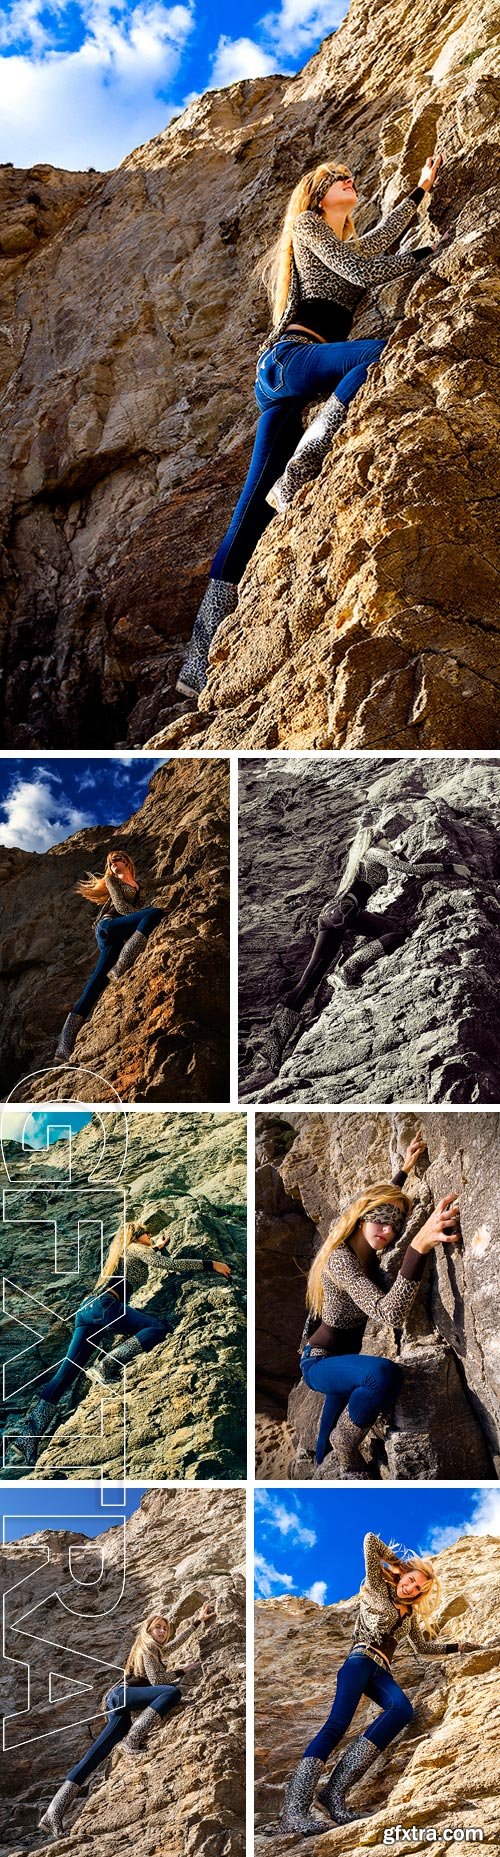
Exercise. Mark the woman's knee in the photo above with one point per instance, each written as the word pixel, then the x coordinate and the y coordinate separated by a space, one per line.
pixel 387 1377
pixel 115 1698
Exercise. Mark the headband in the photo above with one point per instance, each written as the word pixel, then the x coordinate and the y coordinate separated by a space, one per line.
pixel 390 1215
pixel 322 187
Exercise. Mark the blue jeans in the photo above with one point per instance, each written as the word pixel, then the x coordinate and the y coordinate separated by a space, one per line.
pixel 288 376
pixel 365 1383
pixel 97 1316
pixel 111 935
pixel 358 1677
pixel 119 1704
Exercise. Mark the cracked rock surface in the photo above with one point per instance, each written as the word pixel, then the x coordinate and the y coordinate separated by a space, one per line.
pixel 131 312
pixel 185 1399
pixel 423 1023
pixel 186 1793
pixel 446 1420
pixel 443 1771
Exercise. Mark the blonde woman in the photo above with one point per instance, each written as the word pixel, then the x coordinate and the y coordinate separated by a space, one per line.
pixel 398 1592
pixel 149 1687
pixel 317 276
pixel 345 1289
pixel 122 929
pixel 108 1310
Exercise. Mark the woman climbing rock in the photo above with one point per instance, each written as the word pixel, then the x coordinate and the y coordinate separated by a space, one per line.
pixel 344 1289
pixel 122 930
pixel 372 863
pixel 399 1590
pixel 106 1311
pixel 149 1687
pixel 317 277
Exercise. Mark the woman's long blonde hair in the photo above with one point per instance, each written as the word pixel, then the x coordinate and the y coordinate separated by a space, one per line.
pixel 114 1259
pixel 95 888
pixel 142 1642
pixel 359 846
pixel 277 269
pixel 427 1602
pixel 382 1193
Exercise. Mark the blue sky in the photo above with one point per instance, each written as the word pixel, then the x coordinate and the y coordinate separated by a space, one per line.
pixel 42 802
pixel 83 82
pixel 31 1129
pixel 312 1542
pixel 24 1511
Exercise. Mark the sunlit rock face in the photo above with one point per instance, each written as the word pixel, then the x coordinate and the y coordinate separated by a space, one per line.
pixel 442 1772
pixel 132 311
pixel 187 1790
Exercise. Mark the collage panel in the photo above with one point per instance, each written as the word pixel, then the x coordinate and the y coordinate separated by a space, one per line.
pixel 377 1301
pixel 368 929
pixel 114 942
pixel 377 1618
pixel 123 1269
pixel 124 1616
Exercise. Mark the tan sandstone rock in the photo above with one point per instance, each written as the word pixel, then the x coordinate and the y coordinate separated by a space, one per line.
pixel 186 1793
pixel 367 617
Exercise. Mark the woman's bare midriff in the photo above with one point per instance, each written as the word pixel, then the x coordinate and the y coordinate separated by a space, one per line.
pixel 303 331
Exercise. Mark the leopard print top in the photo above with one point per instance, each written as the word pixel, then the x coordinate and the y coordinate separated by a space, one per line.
pixel 154 1668
pixel 378 1618
pixel 326 269
pixel 140 1260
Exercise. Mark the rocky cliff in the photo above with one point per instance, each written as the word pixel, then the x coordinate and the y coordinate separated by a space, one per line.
pixel 161 1034
pixel 187 1791
pixel 446 1421
pixel 422 1025
pixel 185 1400
pixel 443 1771
pixel 367 616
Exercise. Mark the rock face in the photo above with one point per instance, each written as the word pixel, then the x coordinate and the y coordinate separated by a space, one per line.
pixel 162 1034
pixel 129 416
pixel 446 1421
pixel 443 1771
pixel 187 1792
pixel 422 1025
pixel 185 1400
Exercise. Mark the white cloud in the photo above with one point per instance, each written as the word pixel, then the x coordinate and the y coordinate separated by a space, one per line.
pixel 318 1592
pixel 268 1577
pixel 34 816
pixel 91 105
pixel 485 1520
pixel 298 25
pixel 282 37
pixel 237 58
pixel 284 1517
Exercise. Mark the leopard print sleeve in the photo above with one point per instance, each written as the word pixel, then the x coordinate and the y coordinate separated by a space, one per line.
pixel 375 1550
pixel 392 227
pixel 435 1647
pixel 344 1272
pixel 313 238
